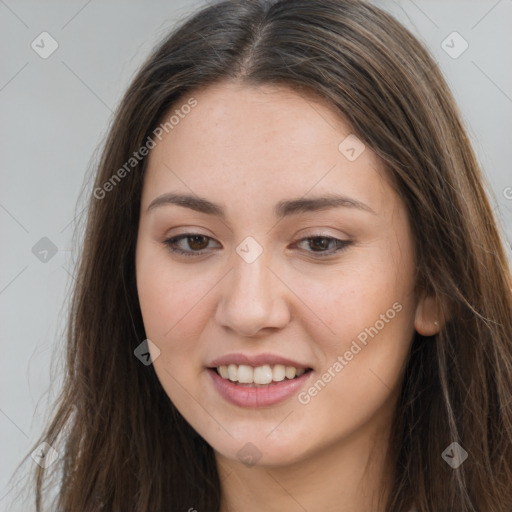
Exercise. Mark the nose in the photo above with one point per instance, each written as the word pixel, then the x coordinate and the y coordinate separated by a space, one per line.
pixel 252 299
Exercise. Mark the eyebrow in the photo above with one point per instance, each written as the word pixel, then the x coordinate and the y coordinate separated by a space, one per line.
pixel 281 210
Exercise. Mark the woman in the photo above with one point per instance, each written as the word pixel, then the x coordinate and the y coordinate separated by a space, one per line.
pixel 292 293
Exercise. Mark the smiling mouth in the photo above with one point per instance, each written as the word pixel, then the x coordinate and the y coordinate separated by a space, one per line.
pixel 259 376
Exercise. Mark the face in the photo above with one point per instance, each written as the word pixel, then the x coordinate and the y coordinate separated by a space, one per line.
pixel 292 250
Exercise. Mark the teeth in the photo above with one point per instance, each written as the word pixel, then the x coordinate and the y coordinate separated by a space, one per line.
pixel 290 372
pixel 264 374
pixel 224 372
pixel 245 374
pixel 233 372
pixel 278 372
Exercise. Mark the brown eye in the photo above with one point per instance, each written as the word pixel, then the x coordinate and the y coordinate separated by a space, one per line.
pixel 320 243
pixel 197 242
pixel 322 246
pixel 189 244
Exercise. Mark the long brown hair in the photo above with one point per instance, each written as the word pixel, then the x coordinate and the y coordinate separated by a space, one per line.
pixel 122 444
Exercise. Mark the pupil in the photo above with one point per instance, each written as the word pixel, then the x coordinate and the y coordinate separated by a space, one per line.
pixel 323 245
pixel 194 243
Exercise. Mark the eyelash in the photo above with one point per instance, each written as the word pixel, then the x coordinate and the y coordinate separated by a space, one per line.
pixel 171 245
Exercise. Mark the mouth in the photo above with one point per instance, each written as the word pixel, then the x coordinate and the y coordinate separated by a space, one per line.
pixel 261 386
pixel 260 376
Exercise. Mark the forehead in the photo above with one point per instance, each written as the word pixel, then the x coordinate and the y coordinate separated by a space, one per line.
pixel 261 144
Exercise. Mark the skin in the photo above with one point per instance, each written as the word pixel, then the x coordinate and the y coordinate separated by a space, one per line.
pixel 247 148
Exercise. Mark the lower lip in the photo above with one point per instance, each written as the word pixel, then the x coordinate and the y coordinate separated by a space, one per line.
pixel 245 396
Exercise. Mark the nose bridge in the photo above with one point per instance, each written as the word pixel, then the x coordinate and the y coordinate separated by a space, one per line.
pixel 252 297
pixel 251 279
pixel 250 275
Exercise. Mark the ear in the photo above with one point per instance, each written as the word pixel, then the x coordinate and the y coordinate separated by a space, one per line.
pixel 428 318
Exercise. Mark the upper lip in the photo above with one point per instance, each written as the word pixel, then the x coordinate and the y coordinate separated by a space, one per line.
pixel 255 360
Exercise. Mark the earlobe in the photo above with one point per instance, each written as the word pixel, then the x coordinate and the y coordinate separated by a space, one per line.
pixel 427 320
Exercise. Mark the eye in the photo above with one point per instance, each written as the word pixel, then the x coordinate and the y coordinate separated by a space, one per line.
pixel 197 244
pixel 323 246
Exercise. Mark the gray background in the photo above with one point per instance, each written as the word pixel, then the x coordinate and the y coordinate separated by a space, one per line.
pixel 55 113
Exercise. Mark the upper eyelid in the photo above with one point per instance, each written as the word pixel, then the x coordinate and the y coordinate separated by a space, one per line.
pixel 183 236
pixel 314 234
pixel 302 238
pixel 188 235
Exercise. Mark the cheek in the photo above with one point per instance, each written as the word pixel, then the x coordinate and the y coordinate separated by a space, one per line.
pixel 170 303
pixel 171 296
pixel 349 298
pixel 369 311
pixel 363 367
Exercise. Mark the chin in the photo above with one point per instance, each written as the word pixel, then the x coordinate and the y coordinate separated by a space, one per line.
pixel 259 450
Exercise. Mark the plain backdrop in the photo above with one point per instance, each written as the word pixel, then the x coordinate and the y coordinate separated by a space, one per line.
pixel 55 112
